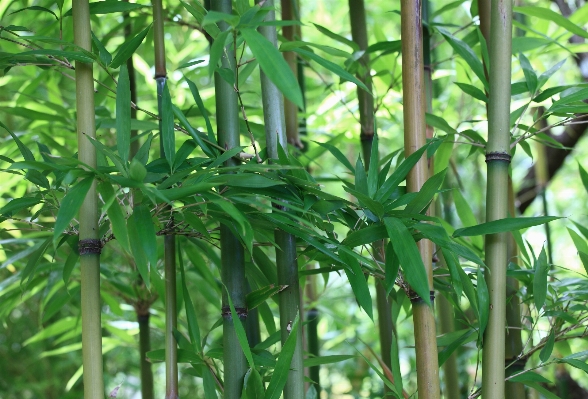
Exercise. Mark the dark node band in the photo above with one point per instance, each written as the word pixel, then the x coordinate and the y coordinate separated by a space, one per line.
pixel 498 156
pixel 226 312
pixel 515 365
pixel 415 298
pixel 90 246
pixel 366 137
pixel 143 318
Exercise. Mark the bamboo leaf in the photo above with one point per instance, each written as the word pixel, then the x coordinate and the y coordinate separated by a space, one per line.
pixel 372 179
pixel 425 195
pixel 257 297
pixel 409 257
pixel 253 385
pixel 399 174
pixel 70 205
pixel 115 214
pixel 540 279
pixel 439 123
pixel 193 328
pixel 545 353
pixel 583 176
pixel 71 55
pixel 457 343
pixel 466 53
pixel 548 15
pixel 503 225
pixel 530 75
pixel 32 262
pixel 360 178
pixel 483 304
pixel 466 215
pixel 336 69
pixel 128 48
pixel 137 250
pixel 209 384
pixel 473 91
pixel 146 231
pixel 109 7
pixel 240 331
pixel 167 127
pixel 357 281
pixel 338 154
pixel 392 267
pixel 280 376
pixel 202 109
pixel 317 361
pixel 103 53
pixel 337 37
pixel 123 114
pixel 576 363
pixel 216 50
pixel 581 246
pixel 274 65
pixel 17 204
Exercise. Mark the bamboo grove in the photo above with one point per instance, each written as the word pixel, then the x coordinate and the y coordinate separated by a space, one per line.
pixel 207 199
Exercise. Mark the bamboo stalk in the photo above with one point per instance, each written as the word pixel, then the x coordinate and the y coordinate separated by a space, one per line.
pixel 497 159
pixel 232 252
pixel 89 244
pixel 286 256
pixel 144 347
pixel 414 138
pixel 367 132
pixel 169 241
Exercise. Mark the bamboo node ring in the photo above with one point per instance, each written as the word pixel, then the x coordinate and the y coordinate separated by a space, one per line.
pixel 498 156
pixel 90 246
pixel 415 298
pixel 241 312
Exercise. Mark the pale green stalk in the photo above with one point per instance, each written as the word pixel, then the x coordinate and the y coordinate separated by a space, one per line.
pixel 498 160
pixel 89 244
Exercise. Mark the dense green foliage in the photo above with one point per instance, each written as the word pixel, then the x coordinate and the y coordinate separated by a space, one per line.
pixel 324 197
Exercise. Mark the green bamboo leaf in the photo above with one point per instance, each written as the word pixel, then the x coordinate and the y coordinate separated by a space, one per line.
pixel 453 266
pixel 503 225
pixel 439 123
pixel 253 385
pixel 483 304
pixel 576 363
pixel 32 262
pixel 361 185
pixel 544 77
pixel 245 231
pixel 337 37
pixel 209 383
pixel 583 176
pixel 216 50
pixel 104 150
pixel 399 174
pixel 357 280
pixel 466 53
pixel 317 361
pixel 196 223
pixel 274 66
pixel 421 202
pixel 409 257
pixel 338 154
pixel 212 17
pixel 202 109
pixel 60 326
pixel 466 215
pixel 71 55
pixel 473 91
pixel 36 8
pixel 249 180
pixel 392 266
pixel 464 338
pixel 530 74
pixel 545 353
pixel 167 127
pixel 581 246
pixel 259 296
pixel 128 48
pixel 137 251
pixel 366 235
pixel 123 114
pixel 372 178
pixel 103 53
pixel 193 328
pixel 380 374
pixel 187 190
pixel 548 15
pixel 146 231
pixel 17 204
pixel 240 331
pixel 336 69
pixel 69 265
pixel 70 205
pixel 540 279
pixel 280 376
pixel 115 214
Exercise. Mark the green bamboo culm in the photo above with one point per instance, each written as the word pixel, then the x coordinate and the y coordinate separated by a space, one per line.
pixel 144 347
pixel 89 244
pixel 366 136
pixel 414 138
pixel 286 256
pixel 169 241
pixel 498 160
pixel 232 251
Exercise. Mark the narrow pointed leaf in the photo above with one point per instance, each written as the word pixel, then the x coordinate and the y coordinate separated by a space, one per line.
pixel 280 376
pixel 193 328
pixel 399 174
pixel 540 279
pixel 409 257
pixel 545 353
pixel 128 48
pixel 201 108
pixel 167 127
pixel 548 15
pixel 146 232
pixel 240 331
pixel 483 303
pixel 70 205
pixel 115 215
pixel 358 282
pixel 137 250
pixel 123 114
pixel 503 225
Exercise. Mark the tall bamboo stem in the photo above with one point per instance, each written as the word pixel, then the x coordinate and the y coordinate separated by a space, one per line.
pixel 497 159
pixel 232 252
pixel 414 138
pixel 290 109
pixel 89 244
pixel 286 257
pixel 144 347
pixel 169 241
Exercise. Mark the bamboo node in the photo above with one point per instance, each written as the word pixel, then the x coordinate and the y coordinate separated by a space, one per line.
pixel 90 246
pixel 241 312
pixel 515 365
pixel 415 298
pixel 498 156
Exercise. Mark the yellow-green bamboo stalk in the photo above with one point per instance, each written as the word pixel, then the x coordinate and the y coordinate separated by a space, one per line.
pixel 290 109
pixel 413 83
pixel 232 252
pixel 498 160
pixel 89 244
